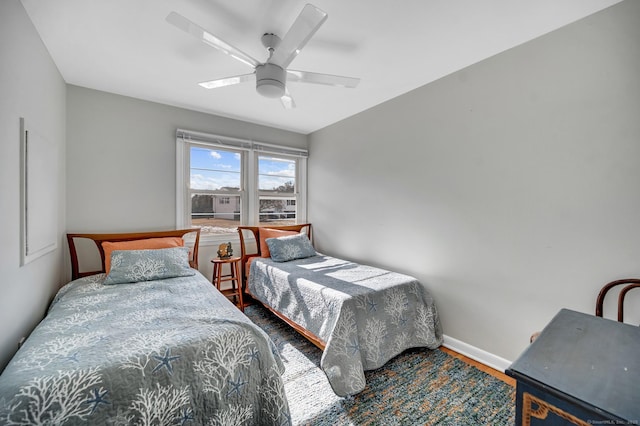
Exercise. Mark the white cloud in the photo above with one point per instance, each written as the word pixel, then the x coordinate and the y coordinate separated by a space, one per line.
pixel 290 172
pixel 210 183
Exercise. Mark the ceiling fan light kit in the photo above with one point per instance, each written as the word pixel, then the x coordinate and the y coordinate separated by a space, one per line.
pixel 270 80
pixel 271 75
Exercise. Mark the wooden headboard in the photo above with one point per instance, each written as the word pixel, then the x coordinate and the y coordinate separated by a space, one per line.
pixel 255 230
pixel 98 239
pixel 256 235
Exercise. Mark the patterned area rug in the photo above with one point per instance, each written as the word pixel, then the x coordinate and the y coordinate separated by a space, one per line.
pixel 418 387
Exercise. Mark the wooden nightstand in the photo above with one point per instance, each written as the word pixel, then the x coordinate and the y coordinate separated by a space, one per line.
pixel 235 292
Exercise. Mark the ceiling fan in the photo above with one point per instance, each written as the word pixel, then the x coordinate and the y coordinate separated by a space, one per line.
pixel 272 75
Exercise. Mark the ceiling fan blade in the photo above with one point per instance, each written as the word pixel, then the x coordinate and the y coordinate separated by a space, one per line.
pixel 287 100
pixel 228 81
pixel 326 79
pixel 304 27
pixel 203 35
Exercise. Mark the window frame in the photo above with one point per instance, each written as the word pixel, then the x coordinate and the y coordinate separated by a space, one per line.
pixel 249 193
pixel 295 195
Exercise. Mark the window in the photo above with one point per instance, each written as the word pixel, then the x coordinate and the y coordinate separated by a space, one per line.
pixel 277 190
pixel 215 182
pixel 225 182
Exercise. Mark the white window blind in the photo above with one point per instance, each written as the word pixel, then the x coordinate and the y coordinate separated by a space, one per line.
pixel 237 143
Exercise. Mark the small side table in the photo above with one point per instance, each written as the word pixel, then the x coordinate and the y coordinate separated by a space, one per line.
pixel 235 291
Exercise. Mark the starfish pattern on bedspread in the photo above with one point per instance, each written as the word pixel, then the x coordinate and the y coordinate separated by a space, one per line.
pixel 165 361
pixel 170 351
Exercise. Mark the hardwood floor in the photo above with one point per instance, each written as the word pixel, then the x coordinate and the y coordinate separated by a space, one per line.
pixel 480 366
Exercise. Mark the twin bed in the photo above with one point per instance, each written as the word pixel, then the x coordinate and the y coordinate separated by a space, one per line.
pixel 360 316
pixel 147 339
pixel 170 350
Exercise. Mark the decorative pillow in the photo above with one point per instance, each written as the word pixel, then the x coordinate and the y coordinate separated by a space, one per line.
pixel 130 266
pixel 284 249
pixel 148 243
pixel 271 233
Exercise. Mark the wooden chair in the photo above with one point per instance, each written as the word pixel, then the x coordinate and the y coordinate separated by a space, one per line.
pixel 628 283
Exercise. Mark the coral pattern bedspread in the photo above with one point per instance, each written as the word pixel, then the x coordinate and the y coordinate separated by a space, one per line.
pixel 172 351
pixel 364 315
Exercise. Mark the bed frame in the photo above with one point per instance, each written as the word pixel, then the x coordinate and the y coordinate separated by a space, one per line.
pixel 98 239
pixel 243 231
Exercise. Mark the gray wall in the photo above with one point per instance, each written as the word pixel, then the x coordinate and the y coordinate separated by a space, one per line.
pixel 30 87
pixel 121 160
pixel 510 188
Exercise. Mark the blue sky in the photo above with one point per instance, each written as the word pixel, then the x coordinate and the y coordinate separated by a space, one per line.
pixel 213 169
pixel 274 172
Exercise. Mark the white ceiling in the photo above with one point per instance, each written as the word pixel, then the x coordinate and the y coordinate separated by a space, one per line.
pixel 127 47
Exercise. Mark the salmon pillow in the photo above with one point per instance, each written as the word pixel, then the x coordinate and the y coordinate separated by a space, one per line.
pixel 271 233
pixel 146 244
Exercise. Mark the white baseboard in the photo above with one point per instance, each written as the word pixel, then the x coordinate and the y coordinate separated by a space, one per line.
pixel 476 354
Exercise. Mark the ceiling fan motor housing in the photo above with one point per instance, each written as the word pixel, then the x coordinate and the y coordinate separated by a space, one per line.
pixel 270 80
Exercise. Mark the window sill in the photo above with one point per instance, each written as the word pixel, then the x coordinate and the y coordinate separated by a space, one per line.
pixel 214 240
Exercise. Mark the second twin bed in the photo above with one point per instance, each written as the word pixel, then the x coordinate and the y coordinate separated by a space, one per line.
pixel 359 315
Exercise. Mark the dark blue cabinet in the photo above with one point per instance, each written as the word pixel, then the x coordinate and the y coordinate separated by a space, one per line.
pixel 582 370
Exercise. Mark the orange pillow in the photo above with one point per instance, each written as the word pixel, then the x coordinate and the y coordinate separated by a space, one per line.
pixel 271 233
pixel 149 243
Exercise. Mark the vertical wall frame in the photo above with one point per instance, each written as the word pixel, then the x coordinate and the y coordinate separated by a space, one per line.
pixel 38 189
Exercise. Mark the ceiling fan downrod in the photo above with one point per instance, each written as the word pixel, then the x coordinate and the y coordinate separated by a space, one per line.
pixel 270 78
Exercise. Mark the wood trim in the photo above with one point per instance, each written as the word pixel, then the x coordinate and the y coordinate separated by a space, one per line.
pixel 318 342
pixel 98 239
pixel 480 366
pixel 475 353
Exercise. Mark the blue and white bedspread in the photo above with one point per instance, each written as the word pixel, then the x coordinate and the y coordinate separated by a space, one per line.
pixel 166 352
pixel 364 315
